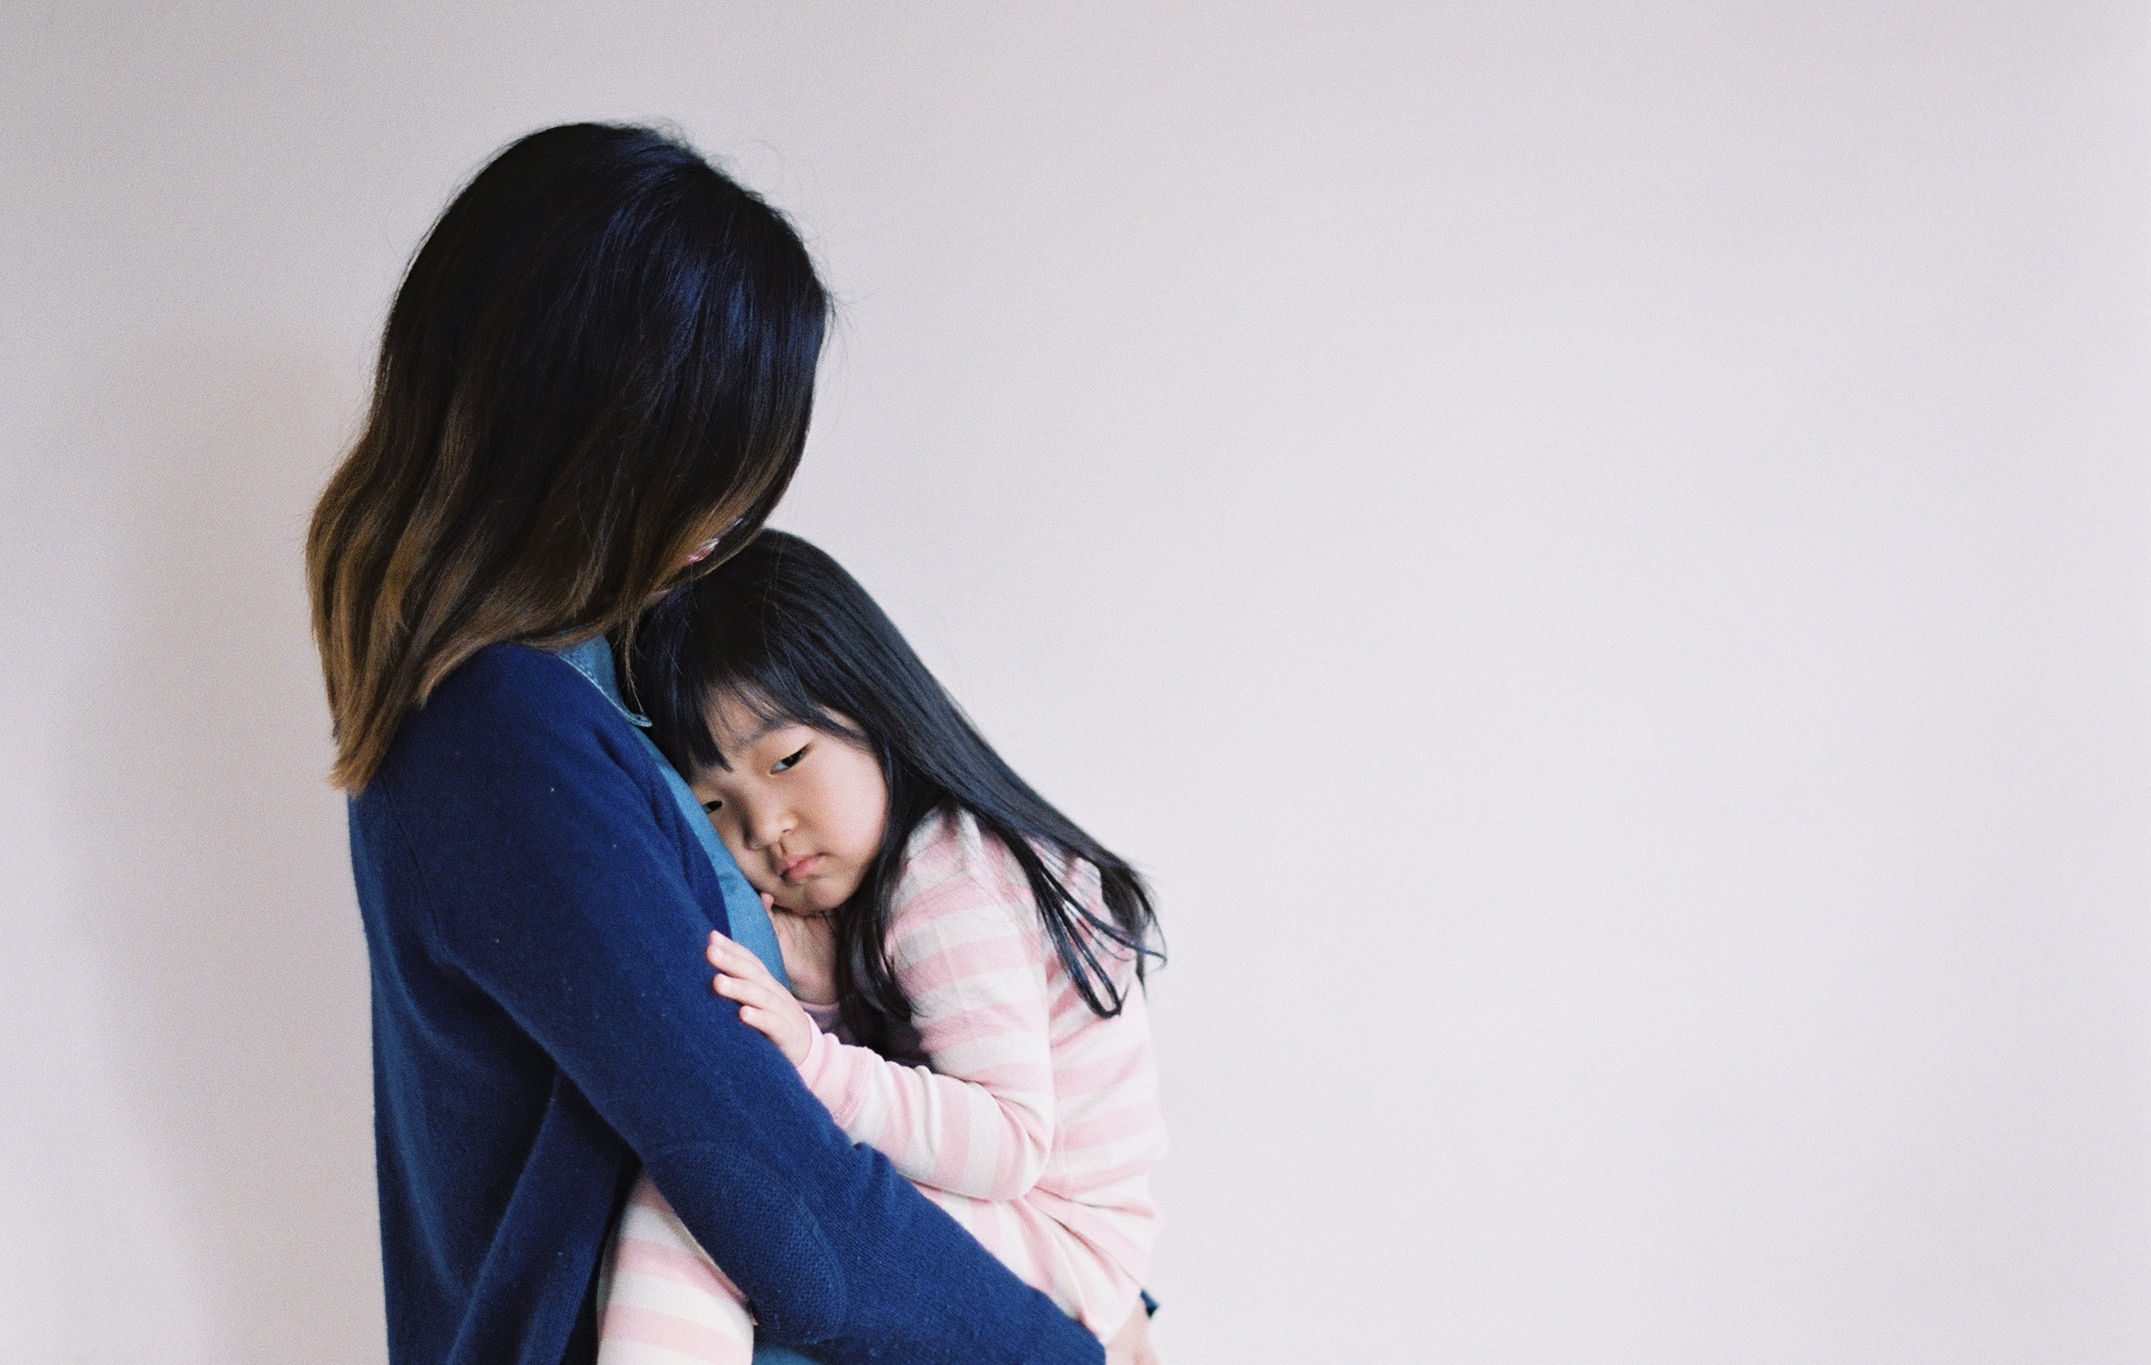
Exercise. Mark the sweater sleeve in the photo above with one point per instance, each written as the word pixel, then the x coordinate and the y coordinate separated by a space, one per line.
pixel 563 885
pixel 978 1121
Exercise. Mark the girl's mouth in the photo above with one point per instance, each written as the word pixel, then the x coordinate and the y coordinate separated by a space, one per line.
pixel 799 867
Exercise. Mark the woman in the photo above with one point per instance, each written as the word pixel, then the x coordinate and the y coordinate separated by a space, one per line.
pixel 596 377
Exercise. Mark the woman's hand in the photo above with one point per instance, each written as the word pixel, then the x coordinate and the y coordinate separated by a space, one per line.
pixel 1131 1344
pixel 764 1006
pixel 808 943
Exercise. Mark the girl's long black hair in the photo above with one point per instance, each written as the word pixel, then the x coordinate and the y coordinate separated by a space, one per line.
pixel 781 629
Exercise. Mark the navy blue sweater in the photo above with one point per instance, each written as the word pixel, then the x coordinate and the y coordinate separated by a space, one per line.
pixel 536 907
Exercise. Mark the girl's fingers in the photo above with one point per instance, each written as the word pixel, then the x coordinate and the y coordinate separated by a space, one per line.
pixel 746 992
pixel 764 1006
pixel 729 957
pixel 762 1022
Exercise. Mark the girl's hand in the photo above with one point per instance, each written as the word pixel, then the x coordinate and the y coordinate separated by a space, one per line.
pixel 808 943
pixel 764 1006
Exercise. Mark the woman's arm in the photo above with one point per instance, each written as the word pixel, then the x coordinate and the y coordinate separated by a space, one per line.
pixel 561 883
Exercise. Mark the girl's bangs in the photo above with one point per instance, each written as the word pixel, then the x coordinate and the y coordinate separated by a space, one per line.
pixel 779 699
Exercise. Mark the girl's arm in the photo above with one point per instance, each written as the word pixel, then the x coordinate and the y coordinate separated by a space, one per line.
pixel 980 1121
pixel 1011 1047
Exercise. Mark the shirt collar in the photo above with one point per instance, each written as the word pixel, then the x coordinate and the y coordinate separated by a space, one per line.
pixel 593 659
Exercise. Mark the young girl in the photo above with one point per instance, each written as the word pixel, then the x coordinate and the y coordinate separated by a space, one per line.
pixel 972 960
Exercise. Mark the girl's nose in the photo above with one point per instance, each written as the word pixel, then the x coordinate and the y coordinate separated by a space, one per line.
pixel 767 827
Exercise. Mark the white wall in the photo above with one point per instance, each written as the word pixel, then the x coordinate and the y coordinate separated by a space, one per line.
pixel 1597 552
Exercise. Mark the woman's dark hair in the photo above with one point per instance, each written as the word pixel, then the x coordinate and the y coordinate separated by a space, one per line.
pixel 602 356
pixel 784 632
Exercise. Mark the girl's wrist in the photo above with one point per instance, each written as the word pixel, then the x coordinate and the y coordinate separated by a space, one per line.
pixel 816 1061
pixel 831 1071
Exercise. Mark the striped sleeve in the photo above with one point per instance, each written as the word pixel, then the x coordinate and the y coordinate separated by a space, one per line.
pixel 979 1121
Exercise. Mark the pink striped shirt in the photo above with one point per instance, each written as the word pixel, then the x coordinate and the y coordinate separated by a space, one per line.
pixel 1034 1122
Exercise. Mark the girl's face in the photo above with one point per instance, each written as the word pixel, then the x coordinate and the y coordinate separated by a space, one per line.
pixel 801 809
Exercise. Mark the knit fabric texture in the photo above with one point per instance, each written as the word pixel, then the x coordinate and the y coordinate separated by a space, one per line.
pixel 535 909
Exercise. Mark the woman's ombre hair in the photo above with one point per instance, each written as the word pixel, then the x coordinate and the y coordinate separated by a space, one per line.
pixel 602 356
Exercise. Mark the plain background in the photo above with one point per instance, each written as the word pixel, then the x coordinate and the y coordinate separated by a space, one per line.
pixel 1595 551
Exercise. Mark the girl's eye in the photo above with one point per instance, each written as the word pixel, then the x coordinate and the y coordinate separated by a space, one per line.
pixel 710 807
pixel 788 760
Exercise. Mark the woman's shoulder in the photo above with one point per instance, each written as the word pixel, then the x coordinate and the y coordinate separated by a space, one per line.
pixel 507 705
pixel 510 679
